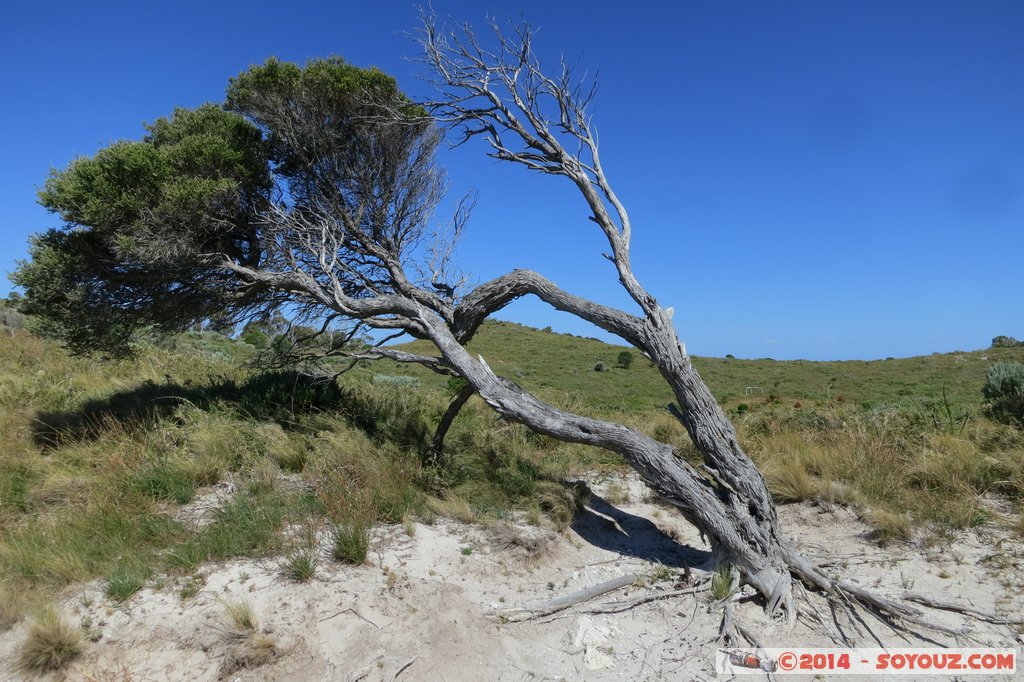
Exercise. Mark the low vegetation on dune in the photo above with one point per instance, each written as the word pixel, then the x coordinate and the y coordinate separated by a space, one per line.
pixel 134 471
pixel 106 466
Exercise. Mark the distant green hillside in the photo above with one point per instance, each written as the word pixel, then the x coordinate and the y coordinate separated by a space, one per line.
pixel 561 365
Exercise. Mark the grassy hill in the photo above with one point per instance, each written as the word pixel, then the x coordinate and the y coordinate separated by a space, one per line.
pixel 556 365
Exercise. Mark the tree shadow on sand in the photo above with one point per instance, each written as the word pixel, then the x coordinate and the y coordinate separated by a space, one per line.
pixel 608 527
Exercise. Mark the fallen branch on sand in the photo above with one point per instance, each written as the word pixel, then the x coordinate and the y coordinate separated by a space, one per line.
pixel 564 602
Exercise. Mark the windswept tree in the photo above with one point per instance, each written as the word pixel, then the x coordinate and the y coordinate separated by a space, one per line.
pixel 314 189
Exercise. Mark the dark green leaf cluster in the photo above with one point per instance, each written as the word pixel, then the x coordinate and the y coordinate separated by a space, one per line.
pixel 283 392
pixel 149 223
pixel 141 219
pixel 1006 342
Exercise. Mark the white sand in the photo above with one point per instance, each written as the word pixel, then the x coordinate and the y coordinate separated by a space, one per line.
pixel 422 609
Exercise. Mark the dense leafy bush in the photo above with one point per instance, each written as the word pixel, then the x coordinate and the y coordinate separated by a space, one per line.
pixel 625 359
pixel 1004 391
pixel 1005 342
pixel 255 337
pixel 271 393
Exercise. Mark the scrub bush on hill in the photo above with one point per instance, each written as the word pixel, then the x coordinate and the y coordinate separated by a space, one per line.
pixel 1004 392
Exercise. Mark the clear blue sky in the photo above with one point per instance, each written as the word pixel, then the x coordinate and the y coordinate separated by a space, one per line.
pixel 825 180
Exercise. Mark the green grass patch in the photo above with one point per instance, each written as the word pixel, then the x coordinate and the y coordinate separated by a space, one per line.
pixel 247 526
pixel 300 565
pixel 123 582
pixel 165 482
pixel 350 543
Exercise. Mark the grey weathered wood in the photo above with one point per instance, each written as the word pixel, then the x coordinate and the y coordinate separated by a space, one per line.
pixel 565 601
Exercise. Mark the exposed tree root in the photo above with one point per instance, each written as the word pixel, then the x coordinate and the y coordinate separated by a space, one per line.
pixel 620 606
pixel 986 616
pixel 848 597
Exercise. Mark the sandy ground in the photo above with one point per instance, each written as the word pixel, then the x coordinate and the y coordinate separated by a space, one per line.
pixel 439 604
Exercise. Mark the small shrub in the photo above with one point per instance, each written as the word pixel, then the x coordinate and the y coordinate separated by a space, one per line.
pixel 1005 342
pixel 722 583
pixel 11 318
pixel 255 337
pixel 50 644
pixel 288 393
pixel 1004 391
pixel 351 543
pixel 742 408
pixel 600 367
pixel 122 583
pixel 191 587
pixel 625 359
pixel 301 566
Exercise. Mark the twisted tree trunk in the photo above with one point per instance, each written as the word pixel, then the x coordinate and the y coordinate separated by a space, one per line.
pixel 452 411
pixel 732 506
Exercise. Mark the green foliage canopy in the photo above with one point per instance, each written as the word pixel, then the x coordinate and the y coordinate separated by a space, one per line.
pixel 149 223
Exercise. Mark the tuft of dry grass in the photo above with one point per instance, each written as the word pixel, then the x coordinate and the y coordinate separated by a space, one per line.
pixel 889 526
pixel 887 459
pixel 527 542
pixel 616 494
pixel 51 643
pixel 247 646
pixel 560 503
pixel 254 651
pixel 453 508
pixel 789 482
pixel 241 616
pixel 723 582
